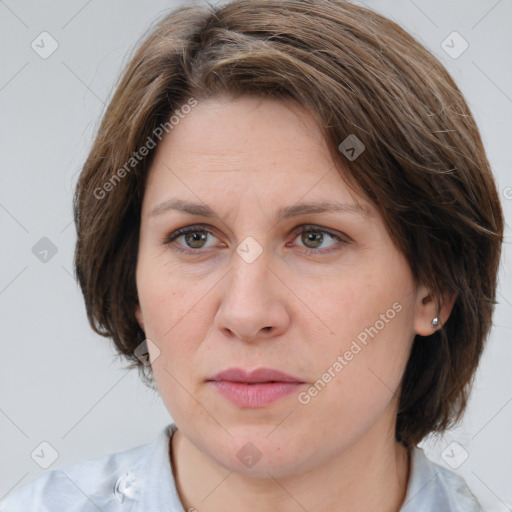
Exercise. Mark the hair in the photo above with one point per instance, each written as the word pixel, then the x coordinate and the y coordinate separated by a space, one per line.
pixel 358 73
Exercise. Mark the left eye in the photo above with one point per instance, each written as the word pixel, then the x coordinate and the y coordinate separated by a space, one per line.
pixel 313 238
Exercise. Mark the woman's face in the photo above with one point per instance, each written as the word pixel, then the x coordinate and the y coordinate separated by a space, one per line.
pixel 334 308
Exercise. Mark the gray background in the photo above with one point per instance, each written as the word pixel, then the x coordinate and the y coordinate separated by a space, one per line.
pixel 64 385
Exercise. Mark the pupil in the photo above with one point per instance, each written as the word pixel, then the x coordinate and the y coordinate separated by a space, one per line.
pixel 195 239
pixel 312 237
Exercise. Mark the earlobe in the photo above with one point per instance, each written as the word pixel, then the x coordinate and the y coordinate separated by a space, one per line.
pixel 431 313
pixel 138 316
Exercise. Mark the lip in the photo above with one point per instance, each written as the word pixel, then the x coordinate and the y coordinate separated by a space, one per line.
pixel 257 388
pixel 259 375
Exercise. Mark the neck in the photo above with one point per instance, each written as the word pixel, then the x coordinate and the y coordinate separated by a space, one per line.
pixel 369 475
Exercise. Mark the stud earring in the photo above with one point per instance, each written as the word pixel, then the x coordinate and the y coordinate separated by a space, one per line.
pixel 435 322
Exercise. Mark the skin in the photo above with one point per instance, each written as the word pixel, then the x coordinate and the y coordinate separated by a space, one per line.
pixel 296 308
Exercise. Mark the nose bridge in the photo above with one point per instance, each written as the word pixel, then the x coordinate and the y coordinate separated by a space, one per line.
pixel 250 277
pixel 251 305
pixel 252 254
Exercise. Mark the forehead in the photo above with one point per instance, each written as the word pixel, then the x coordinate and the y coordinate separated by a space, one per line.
pixel 246 149
pixel 222 132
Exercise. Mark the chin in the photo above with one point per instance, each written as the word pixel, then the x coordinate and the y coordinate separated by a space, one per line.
pixel 259 451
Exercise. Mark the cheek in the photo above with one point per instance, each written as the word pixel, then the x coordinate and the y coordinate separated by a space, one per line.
pixel 356 384
pixel 372 329
pixel 167 299
pixel 344 305
pixel 174 320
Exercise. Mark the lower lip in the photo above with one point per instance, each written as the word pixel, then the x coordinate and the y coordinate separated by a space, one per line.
pixel 255 395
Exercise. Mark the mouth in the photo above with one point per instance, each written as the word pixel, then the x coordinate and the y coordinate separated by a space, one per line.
pixel 258 388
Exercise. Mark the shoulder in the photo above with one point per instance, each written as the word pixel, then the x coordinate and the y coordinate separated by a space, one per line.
pixel 433 487
pixel 96 484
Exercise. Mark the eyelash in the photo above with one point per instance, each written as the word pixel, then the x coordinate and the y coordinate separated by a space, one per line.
pixel 304 229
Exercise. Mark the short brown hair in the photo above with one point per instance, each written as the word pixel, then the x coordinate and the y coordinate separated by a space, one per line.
pixel 358 73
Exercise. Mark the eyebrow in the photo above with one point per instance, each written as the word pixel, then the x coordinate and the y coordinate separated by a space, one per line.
pixel 286 212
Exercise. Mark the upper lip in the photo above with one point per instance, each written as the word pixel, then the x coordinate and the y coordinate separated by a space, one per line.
pixel 259 375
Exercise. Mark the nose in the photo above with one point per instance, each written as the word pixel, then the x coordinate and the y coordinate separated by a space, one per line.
pixel 253 303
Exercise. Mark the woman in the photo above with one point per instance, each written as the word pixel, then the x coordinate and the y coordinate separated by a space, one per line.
pixel 288 223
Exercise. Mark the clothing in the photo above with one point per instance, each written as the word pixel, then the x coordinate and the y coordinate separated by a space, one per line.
pixel 141 480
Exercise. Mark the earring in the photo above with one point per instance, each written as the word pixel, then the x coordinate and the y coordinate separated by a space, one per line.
pixel 435 322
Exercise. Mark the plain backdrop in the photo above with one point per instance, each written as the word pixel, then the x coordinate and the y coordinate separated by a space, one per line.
pixel 62 384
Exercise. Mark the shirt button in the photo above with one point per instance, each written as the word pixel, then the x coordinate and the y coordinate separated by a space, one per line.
pixel 126 487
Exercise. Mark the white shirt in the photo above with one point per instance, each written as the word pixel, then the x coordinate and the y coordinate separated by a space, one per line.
pixel 141 480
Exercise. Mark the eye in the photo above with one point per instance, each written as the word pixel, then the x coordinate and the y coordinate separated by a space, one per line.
pixel 315 239
pixel 194 238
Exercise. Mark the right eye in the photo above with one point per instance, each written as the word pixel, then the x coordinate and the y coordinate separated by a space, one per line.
pixel 194 238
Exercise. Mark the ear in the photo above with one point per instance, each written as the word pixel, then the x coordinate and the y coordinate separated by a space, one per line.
pixel 138 316
pixel 428 308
